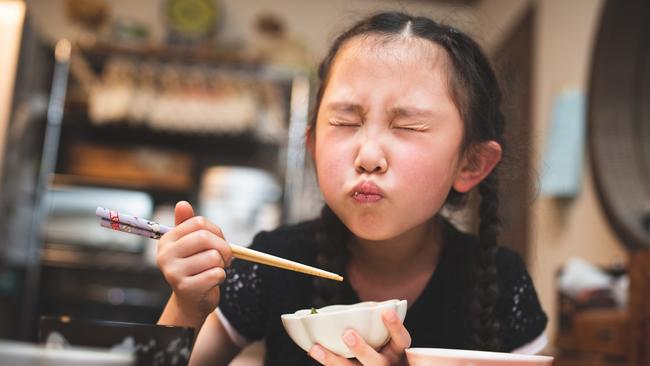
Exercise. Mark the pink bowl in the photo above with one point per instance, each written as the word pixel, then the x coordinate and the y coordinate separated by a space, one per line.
pixel 455 357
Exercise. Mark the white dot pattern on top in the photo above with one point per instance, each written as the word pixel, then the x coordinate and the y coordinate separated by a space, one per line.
pixel 243 286
pixel 518 297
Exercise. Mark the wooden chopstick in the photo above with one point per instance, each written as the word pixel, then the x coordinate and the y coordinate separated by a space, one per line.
pixel 271 260
pixel 138 226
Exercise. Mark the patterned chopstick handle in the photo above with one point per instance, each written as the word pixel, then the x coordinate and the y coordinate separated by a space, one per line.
pixel 116 220
pixel 129 229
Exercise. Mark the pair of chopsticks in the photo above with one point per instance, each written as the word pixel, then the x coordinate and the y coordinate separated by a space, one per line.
pixel 151 229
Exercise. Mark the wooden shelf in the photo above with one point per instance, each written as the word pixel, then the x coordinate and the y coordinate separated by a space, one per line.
pixel 80 180
pixel 204 150
pixel 204 54
pixel 89 258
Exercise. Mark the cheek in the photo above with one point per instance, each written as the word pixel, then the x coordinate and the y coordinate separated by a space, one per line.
pixel 428 174
pixel 329 167
pixel 331 163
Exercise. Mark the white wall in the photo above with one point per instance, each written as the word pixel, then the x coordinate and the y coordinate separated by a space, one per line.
pixel 565 34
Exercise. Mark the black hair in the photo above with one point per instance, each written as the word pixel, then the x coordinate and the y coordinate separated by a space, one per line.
pixel 475 91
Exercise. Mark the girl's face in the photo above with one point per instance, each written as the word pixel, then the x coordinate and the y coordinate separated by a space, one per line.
pixel 388 136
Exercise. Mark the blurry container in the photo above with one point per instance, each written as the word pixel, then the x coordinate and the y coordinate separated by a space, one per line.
pixel 27 354
pixel 72 217
pixel 152 344
pixel 240 200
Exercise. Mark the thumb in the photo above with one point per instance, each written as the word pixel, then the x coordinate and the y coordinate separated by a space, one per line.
pixel 182 212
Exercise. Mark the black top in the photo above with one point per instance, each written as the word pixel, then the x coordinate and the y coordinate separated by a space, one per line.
pixel 254 296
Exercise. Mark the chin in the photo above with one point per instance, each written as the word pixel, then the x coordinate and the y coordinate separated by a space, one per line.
pixel 373 236
pixel 371 230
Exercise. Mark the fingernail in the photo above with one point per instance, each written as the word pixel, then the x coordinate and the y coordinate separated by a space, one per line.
pixel 349 338
pixel 317 353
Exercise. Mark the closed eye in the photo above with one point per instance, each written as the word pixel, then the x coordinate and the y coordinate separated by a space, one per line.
pixel 413 128
pixel 338 123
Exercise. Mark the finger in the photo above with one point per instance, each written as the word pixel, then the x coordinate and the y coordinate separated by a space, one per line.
pixel 182 212
pixel 200 241
pixel 202 282
pixel 169 252
pixel 199 262
pixel 190 225
pixel 325 357
pixel 400 339
pixel 361 350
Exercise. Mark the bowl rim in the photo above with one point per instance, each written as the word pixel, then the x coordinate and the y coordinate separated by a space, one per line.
pixel 107 323
pixel 478 355
pixel 330 310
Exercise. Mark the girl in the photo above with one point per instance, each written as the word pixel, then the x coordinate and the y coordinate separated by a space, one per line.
pixel 407 120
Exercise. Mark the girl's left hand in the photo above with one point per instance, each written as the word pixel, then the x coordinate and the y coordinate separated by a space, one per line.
pixel 391 354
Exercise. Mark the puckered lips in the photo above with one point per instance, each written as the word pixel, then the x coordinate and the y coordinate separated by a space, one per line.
pixel 366 192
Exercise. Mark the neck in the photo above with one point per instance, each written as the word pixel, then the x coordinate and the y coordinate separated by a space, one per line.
pixel 412 251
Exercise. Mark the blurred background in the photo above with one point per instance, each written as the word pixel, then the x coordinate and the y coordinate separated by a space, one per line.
pixel 134 105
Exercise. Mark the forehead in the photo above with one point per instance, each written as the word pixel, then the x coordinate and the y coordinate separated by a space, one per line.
pixel 402 70
pixel 392 53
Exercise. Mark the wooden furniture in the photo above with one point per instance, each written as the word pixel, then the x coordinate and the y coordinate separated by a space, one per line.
pixel 639 308
pixel 609 336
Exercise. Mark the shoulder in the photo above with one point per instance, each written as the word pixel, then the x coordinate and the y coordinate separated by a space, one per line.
pixel 509 263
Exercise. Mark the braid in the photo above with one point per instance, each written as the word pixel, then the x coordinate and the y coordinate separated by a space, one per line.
pixel 331 256
pixel 486 289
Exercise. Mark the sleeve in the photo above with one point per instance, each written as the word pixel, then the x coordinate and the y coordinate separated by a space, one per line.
pixel 519 310
pixel 535 347
pixel 242 301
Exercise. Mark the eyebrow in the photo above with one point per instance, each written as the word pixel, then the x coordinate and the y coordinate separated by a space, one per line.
pixel 349 107
pixel 412 112
pixel 345 107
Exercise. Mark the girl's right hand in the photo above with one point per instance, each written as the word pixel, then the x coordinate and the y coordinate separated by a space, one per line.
pixel 192 257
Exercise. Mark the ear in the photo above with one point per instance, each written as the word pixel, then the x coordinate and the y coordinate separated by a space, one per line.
pixel 476 165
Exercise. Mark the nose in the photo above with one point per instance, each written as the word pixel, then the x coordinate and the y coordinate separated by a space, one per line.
pixel 370 158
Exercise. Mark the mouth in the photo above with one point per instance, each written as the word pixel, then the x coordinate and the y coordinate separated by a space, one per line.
pixel 367 192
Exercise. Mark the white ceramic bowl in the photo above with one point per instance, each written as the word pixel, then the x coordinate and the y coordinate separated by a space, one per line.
pixel 454 357
pixel 328 325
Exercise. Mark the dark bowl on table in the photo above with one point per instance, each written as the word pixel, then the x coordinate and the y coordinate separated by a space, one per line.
pixel 152 344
